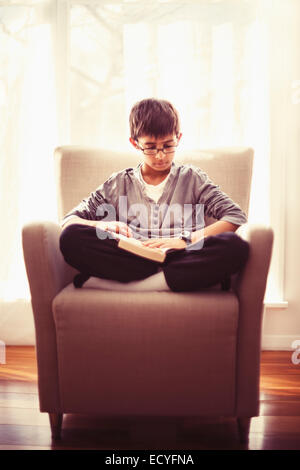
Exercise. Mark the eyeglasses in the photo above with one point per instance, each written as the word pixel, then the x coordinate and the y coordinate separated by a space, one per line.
pixel 153 151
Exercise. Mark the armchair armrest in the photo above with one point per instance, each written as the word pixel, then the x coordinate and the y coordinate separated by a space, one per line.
pixel 47 273
pixel 249 286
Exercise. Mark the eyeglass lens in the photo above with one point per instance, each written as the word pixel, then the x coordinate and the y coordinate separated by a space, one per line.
pixel 164 150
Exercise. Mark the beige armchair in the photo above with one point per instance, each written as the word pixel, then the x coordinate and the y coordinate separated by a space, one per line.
pixel 157 353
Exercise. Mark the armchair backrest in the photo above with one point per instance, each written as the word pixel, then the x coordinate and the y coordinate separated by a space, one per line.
pixel 80 170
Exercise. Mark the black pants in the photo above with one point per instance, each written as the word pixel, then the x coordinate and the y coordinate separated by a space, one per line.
pixel 185 270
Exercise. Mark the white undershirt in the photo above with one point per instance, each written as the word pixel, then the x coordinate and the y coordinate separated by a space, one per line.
pixel 154 191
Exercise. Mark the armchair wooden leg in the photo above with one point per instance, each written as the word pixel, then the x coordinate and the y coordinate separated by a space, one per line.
pixel 56 424
pixel 243 428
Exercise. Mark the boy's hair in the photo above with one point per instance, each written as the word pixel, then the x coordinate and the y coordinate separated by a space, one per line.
pixel 153 117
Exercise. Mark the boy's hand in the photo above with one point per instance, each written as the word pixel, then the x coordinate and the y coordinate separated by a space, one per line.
pixel 115 226
pixel 175 243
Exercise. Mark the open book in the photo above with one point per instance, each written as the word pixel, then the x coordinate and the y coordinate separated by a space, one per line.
pixel 135 246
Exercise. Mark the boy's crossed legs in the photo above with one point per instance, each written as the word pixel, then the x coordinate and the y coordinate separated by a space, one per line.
pixel 183 270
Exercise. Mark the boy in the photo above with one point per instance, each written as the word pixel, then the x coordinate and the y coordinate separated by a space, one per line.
pixel 158 188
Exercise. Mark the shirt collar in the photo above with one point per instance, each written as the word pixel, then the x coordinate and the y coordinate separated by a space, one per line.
pixel 138 175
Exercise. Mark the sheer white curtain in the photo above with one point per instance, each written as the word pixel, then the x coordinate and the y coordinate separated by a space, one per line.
pixel 27 138
pixel 70 72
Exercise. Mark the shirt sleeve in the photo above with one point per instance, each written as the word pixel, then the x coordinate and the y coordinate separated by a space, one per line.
pixel 218 204
pixel 88 208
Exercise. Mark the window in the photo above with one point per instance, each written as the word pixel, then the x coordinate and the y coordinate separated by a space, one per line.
pixel 71 70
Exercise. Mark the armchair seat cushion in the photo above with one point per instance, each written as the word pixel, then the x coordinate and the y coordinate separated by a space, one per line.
pixel 146 353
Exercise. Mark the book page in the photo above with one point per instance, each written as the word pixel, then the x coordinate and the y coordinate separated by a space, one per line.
pixel 119 236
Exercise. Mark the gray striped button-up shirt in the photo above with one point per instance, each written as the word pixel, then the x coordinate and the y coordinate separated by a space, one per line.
pixel 188 196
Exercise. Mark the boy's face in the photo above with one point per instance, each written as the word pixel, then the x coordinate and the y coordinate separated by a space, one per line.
pixel 157 161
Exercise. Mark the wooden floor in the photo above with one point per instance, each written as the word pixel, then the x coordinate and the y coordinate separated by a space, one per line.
pixel 22 426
